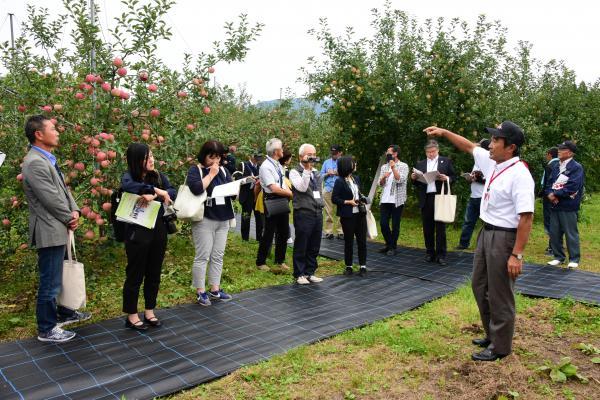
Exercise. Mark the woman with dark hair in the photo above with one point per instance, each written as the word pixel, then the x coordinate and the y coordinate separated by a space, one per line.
pixel 145 248
pixel 210 234
pixel 350 208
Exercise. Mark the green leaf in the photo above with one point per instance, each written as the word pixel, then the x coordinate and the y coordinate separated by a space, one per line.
pixel 596 360
pixel 569 370
pixel 582 378
pixel 543 368
pixel 514 394
pixel 15 320
pixel 557 376
pixel 564 361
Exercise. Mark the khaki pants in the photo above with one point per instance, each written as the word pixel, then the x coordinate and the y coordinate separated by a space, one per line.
pixel 330 216
pixel 494 289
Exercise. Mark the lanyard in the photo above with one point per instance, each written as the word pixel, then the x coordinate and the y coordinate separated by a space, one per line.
pixel 494 175
pixel 278 172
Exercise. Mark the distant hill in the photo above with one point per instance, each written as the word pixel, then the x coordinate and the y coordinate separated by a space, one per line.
pixel 296 104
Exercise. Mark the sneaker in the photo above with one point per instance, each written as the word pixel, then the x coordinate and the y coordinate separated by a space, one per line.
pixel 56 335
pixel 77 316
pixel 362 271
pixel 203 299
pixel 290 241
pixel 315 279
pixel 284 267
pixel 302 280
pixel 390 252
pixel 554 262
pixel 340 236
pixel 220 295
pixel 573 265
pixel 263 267
pixel 348 271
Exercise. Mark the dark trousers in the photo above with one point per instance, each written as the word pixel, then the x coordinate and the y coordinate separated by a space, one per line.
pixel 50 265
pixel 145 255
pixel 564 223
pixel 433 231
pixel 247 210
pixel 276 224
pixel 390 211
pixel 355 226
pixel 547 209
pixel 309 228
pixel 493 288
pixel 471 217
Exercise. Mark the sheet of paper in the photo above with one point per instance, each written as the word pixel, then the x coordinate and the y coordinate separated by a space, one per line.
pixel 2 158
pixel 426 178
pixel 129 211
pixel 230 189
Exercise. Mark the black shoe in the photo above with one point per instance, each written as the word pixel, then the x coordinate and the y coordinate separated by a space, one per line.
pixel 461 247
pixel 383 250
pixel 348 271
pixel 391 252
pixel 442 261
pixel 362 272
pixel 483 342
pixel 429 259
pixel 155 322
pixel 486 355
pixel 329 236
pixel 340 236
pixel 138 326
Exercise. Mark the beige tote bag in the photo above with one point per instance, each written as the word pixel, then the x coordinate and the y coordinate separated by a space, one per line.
pixel 188 206
pixel 72 294
pixel 445 205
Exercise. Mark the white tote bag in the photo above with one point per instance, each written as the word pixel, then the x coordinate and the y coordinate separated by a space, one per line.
pixel 188 206
pixel 445 205
pixel 72 293
pixel 371 225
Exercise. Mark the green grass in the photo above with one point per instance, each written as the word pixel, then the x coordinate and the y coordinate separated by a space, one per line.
pixel 418 354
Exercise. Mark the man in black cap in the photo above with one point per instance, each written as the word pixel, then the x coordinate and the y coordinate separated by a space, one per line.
pixel 329 174
pixel 565 191
pixel 551 159
pixel 507 212
pixel 246 197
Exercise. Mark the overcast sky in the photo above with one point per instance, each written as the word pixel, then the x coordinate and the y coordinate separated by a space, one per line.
pixel 565 30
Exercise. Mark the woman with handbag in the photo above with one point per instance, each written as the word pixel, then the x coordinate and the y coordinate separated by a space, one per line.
pixel 145 248
pixel 210 234
pixel 351 208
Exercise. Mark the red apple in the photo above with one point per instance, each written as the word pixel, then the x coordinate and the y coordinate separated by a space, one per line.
pixel 211 70
pixel 99 221
pixel 99 79
pixel 106 87
pixel 79 96
pixel 21 108
pixel 89 235
pixel 124 95
pixel 73 174
pixel 111 154
pixel 47 109
pixel 206 110
pixel 118 62
pixel 79 166
pixel 145 136
pixel 152 87
pixel 155 112
pixel 190 127
pixel 106 207
pixel 90 78
pixel 143 75
pixel 95 142
pixel 115 92
pixel 160 139
pixel 122 71
pixel 104 163
pixel 181 94
pixel 101 156
pixel 203 93
pixel 94 181
pixel 6 222
pixel 20 177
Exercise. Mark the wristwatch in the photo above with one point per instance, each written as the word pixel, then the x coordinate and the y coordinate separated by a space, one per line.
pixel 518 256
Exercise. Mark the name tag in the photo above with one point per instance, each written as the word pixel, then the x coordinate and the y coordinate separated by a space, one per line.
pixel 316 194
pixel 219 201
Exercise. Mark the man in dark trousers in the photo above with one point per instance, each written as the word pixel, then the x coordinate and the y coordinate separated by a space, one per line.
pixel 52 213
pixel 551 159
pixel 507 213
pixel 308 215
pixel 246 197
pixel 433 231
pixel 565 191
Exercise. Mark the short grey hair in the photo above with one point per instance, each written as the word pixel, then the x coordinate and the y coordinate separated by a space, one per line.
pixel 304 147
pixel 431 144
pixel 272 145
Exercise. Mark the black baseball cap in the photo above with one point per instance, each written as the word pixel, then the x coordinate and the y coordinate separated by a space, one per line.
pixel 508 130
pixel 336 148
pixel 568 145
pixel 485 144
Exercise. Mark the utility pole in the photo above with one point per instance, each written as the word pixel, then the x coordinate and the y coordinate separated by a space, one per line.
pixel 93 51
pixel 12 33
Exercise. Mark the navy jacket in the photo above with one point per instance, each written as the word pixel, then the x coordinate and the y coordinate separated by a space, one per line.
pixel 342 192
pixel 247 191
pixel 128 184
pixel 221 212
pixel 570 192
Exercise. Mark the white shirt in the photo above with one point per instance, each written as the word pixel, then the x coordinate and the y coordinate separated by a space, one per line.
pixel 432 165
pixel 271 172
pixel 508 194
pixel 397 195
pixel 355 193
pixel 562 167
pixel 476 187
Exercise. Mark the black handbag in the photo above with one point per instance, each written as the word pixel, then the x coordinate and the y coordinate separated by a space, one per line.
pixel 276 206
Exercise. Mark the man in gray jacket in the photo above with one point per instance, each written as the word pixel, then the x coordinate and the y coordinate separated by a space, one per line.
pixel 52 213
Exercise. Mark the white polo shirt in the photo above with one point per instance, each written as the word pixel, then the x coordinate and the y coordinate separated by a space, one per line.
pixel 271 172
pixel 508 191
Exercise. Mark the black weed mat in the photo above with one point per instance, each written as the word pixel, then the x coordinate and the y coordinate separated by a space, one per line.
pixel 197 344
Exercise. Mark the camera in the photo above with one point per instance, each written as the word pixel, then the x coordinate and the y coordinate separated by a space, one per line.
pixel 389 157
pixel 169 219
pixel 362 204
pixel 312 159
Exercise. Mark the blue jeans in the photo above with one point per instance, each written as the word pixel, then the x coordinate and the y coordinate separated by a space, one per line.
pixel 471 217
pixel 387 211
pixel 564 223
pixel 50 265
